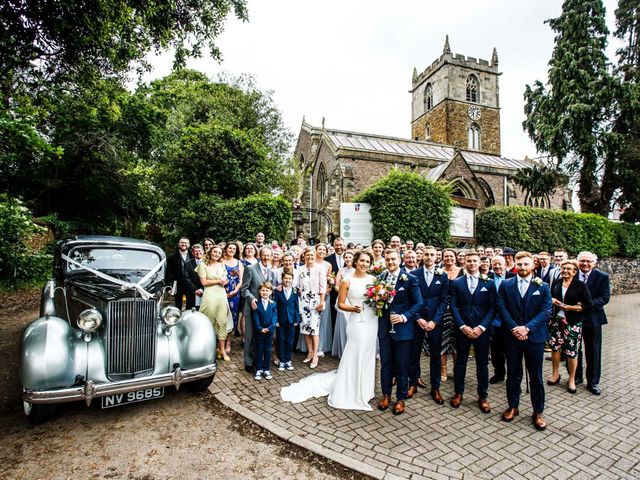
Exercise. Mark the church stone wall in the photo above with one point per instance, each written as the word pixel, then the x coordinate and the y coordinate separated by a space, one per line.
pixel 436 118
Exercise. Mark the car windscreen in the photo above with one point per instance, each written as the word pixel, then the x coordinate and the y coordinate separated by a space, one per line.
pixel 101 258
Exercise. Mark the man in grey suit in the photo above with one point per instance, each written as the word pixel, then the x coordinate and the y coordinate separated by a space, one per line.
pixel 252 278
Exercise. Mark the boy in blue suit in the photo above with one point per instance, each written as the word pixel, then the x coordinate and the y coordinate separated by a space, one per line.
pixel 473 298
pixel 264 319
pixel 524 303
pixel 288 307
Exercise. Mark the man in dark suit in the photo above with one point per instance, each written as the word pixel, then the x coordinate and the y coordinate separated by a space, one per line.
pixel 395 331
pixel 546 267
pixel 525 307
pixel 336 260
pixel 254 276
pixel 192 279
pixel 498 360
pixel 434 287
pixel 175 271
pixel 473 299
pixel 559 256
pixel 594 319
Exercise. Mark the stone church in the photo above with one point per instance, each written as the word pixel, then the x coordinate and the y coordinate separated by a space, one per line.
pixel 455 138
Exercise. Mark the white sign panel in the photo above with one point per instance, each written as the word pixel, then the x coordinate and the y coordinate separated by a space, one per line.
pixel 355 223
pixel 463 222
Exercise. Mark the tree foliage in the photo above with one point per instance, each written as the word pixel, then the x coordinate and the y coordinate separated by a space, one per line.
pixel 411 206
pixel 569 118
pixel 46 42
pixel 538 182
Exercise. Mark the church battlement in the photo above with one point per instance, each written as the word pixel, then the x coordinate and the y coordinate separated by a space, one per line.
pixel 447 57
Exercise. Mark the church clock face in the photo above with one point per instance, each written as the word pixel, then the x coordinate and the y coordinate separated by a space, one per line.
pixel 474 112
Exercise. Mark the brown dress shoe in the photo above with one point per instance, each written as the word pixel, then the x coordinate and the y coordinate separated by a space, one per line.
pixel 398 408
pixel 484 405
pixel 412 391
pixel 384 403
pixel 509 414
pixel 456 400
pixel 421 383
pixel 538 421
pixel 435 394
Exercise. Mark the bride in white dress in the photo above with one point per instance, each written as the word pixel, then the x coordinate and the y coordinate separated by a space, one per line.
pixel 353 384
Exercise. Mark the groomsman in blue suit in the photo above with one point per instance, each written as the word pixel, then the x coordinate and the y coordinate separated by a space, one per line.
pixel 473 299
pixel 524 303
pixel 546 267
pixel 395 331
pixel 600 290
pixel 499 273
pixel 434 287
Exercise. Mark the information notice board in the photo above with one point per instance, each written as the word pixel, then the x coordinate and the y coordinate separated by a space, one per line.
pixel 463 222
pixel 355 223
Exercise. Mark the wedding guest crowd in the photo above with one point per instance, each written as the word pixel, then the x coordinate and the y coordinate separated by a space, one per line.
pixel 502 305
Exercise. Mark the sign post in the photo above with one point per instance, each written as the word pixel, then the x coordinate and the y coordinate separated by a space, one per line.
pixel 463 222
pixel 355 223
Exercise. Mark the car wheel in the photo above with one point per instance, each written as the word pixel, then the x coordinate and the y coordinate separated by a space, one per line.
pixel 38 413
pixel 199 385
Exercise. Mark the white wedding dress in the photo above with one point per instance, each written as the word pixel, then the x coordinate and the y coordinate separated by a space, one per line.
pixel 353 384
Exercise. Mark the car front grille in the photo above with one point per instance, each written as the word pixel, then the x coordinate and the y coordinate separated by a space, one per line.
pixel 131 334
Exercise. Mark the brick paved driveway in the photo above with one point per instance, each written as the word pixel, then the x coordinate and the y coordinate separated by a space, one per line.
pixel 588 436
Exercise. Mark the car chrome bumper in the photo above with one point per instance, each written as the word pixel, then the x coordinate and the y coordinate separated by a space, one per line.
pixel 90 390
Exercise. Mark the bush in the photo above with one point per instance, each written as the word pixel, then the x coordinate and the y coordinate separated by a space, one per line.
pixel 238 219
pixel 410 206
pixel 628 236
pixel 536 229
pixel 18 262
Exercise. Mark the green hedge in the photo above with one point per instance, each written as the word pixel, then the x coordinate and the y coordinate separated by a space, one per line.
pixel 536 229
pixel 411 206
pixel 628 240
pixel 239 219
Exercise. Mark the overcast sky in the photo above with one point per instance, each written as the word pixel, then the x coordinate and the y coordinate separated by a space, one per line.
pixel 351 61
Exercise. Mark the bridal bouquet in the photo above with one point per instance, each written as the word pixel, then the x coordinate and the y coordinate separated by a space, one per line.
pixel 379 296
pixel 376 270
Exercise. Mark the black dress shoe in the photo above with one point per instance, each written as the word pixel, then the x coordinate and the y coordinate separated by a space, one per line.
pixel 595 389
pixel 579 381
pixel 421 383
pixel 552 382
pixel 496 379
pixel 248 369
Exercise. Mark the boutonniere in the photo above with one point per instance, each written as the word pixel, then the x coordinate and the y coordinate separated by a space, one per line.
pixel 271 302
pixel 537 281
pixel 439 271
pixel 484 277
pixel 404 277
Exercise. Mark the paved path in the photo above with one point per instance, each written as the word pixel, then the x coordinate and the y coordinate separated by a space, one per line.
pixel 588 436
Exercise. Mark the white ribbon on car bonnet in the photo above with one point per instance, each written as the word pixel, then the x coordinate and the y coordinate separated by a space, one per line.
pixel 124 285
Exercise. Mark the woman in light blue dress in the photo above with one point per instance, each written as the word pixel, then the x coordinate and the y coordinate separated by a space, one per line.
pixel 340 332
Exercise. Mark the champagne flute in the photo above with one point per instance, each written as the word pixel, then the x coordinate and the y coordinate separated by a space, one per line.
pixel 393 329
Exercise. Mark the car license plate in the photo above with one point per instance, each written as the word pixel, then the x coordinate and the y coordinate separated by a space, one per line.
pixel 132 397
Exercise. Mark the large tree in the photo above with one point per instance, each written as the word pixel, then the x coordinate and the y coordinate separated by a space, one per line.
pixel 75 41
pixel 627 121
pixel 570 117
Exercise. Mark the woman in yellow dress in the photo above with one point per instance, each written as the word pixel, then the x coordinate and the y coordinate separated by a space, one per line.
pixel 213 276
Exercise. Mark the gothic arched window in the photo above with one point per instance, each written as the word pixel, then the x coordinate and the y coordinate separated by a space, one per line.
pixel 427 132
pixel 473 89
pixel 322 185
pixel 428 97
pixel 474 137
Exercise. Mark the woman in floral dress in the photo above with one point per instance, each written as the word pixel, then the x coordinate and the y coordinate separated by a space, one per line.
pixel 235 269
pixel 313 287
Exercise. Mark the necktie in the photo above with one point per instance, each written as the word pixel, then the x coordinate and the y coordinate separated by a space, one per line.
pixel 472 284
pixel 340 262
pixel 585 277
pixel 428 277
pixel 287 293
pixel 392 279
pixel 522 286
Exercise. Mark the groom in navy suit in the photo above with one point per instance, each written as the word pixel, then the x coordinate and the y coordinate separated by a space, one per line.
pixel 395 348
pixel 524 303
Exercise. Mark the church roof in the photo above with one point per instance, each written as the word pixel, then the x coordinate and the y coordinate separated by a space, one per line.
pixel 363 142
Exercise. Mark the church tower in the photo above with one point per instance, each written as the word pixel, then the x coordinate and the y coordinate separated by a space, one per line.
pixel 455 101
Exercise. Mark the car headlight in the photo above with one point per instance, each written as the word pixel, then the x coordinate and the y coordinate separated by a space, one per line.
pixel 171 315
pixel 89 320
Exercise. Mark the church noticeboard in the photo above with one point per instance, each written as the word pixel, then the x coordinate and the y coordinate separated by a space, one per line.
pixel 355 223
pixel 463 222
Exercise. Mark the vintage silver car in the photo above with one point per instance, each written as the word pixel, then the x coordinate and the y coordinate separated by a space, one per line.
pixel 103 331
